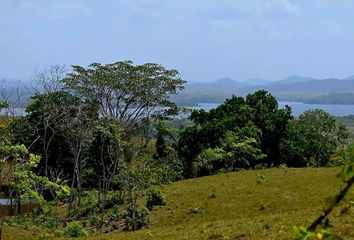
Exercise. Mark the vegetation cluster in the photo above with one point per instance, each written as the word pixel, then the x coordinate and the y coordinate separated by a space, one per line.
pixel 97 143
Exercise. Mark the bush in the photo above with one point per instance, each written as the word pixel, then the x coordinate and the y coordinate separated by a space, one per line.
pixel 114 198
pixel 155 198
pixel 75 229
pixel 137 219
pixel 196 209
pixel 114 214
pixel 260 178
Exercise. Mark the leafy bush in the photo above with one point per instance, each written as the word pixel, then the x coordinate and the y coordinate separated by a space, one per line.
pixel 342 156
pixel 155 198
pixel 136 219
pixel 260 178
pixel 114 214
pixel 114 198
pixel 75 229
pixel 212 195
pixel 196 209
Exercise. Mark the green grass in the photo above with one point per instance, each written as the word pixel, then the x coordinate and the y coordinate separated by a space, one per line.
pixel 235 206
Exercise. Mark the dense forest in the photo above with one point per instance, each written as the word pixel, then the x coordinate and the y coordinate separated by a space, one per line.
pixel 96 144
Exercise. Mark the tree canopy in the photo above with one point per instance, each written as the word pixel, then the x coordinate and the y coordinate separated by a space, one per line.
pixel 125 91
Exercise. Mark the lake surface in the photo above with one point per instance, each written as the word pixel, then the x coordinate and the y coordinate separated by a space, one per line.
pixel 5 201
pixel 298 108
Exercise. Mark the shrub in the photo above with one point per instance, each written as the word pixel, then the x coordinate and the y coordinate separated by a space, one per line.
pixel 260 178
pixel 136 219
pixel 114 198
pixel 212 195
pixel 114 214
pixel 155 198
pixel 196 209
pixel 75 229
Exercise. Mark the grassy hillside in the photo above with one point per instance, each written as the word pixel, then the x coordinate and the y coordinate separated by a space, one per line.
pixel 235 206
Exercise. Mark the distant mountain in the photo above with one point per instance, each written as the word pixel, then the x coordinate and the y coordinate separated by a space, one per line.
pixel 209 92
pixel 323 86
pixel 350 78
pixel 257 81
pixel 293 88
pixel 292 79
pixel 222 83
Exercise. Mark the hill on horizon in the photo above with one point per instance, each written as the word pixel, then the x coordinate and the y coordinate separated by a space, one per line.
pixel 293 88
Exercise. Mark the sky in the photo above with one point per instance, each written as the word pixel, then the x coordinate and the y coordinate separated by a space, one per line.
pixel 203 39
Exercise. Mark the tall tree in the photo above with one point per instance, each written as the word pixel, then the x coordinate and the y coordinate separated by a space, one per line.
pixel 104 153
pixel 272 122
pixel 125 91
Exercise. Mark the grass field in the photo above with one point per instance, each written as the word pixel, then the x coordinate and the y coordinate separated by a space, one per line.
pixel 235 206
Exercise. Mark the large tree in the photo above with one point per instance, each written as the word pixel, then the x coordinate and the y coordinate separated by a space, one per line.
pixel 125 91
pixel 255 117
pixel 312 138
pixel 271 120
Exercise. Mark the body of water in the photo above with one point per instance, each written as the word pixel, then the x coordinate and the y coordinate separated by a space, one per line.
pixel 298 108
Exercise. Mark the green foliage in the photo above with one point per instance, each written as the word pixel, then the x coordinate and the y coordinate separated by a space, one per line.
pixel 155 198
pixel 136 219
pixel 114 198
pixel 27 184
pixel 312 139
pixel 210 160
pixel 115 214
pixel 236 152
pixel 248 130
pixel 301 233
pixel 45 129
pixel 197 208
pixel 125 91
pixel 343 155
pixel 213 195
pixel 260 178
pixel 75 229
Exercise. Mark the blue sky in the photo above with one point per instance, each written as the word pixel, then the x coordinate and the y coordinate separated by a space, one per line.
pixel 203 39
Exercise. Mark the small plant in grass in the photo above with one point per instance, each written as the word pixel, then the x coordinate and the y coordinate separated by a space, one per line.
pixel 75 229
pixel 196 209
pixel 155 198
pixel 284 167
pixel 260 178
pixel 212 195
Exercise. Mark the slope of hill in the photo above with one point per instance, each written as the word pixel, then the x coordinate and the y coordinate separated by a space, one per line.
pixel 234 206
